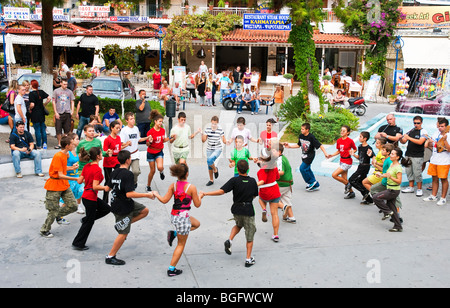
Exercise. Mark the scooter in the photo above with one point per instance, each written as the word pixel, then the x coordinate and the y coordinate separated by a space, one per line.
pixel 357 105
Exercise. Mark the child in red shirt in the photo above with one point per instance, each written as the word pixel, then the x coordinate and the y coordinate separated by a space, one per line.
pixel 114 143
pixel 269 192
pixel 155 154
pixel 345 148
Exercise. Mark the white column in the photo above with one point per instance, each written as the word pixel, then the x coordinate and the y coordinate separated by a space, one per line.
pixel 250 57
pixel 286 57
pixel 323 61
pixel 213 57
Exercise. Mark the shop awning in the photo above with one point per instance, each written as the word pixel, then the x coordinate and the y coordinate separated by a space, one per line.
pixel 426 52
pixel 67 41
pixel 123 42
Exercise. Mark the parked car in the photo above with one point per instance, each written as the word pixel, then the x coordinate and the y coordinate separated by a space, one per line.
pixel 28 76
pixel 113 87
pixel 439 105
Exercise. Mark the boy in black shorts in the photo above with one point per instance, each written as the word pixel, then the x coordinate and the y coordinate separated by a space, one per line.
pixel 125 209
pixel 244 190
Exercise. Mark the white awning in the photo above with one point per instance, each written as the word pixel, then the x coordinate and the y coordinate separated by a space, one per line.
pixel 123 42
pixel 426 52
pixel 67 41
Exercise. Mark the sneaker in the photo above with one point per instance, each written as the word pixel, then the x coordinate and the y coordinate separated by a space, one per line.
pixel 216 174
pixel 239 112
pixel 253 113
pixel 264 216
pixel 365 202
pixel 387 215
pixel 80 209
pixel 162 176
pixel 442 201
pixel 275 238
pixel 348 186
pixel 40 174
pixel 285 207
pixel 62 221
pixel 227 245
pixel 209 183
pixel 19 175
pixel 250 262
pixel 174 272
pixel 430 198
pixel 114 261
pixel 170 237
pixel 408 189
pixel 396 230
pixel 310 186
pixel 148 189
pixel 350 195
pixel 46 234
pixel 316 187
pixel 290 220
pixel 419 193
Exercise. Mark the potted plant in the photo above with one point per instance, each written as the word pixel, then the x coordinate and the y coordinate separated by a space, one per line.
pixel 392 99
pixel 221 3
pixel 186 7
pixel 211 6
pixel 227 4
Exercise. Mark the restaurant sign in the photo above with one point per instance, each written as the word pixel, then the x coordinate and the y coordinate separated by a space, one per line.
pixel 267 22
pixel 425 17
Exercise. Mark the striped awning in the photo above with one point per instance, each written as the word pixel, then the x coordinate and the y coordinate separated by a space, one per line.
pixel 123 42
pixel 67 41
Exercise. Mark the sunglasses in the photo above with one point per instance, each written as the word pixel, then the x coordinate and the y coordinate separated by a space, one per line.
pixel 417 123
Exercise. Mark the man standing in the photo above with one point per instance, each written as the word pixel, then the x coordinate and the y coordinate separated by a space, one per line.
pixel 439 162
pixel 143 110
pixel 237 76
pixel 22 146
pixel 71 82
pixel 416 138
pixel 89 106
pixel 63 106
pixel 20 106
pixel 390 131
pixel 225 83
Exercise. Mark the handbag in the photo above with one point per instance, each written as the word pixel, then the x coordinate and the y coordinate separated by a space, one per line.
pixel 8 107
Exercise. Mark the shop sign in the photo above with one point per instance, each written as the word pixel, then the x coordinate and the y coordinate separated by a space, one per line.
pixel 267 22
pixel 425 17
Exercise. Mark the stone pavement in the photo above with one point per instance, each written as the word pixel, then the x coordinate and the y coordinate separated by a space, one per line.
pixel 335 242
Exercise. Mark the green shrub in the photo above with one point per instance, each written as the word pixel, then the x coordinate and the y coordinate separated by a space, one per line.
pixel 128 104
pixel 326 128
pixel 292 108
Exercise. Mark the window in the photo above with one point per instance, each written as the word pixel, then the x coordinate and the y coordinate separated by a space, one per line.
pixel 347 59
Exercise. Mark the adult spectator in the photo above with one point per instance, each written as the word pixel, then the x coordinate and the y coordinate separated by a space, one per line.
pixel 247 79
pixel 165 92
pixel 19 106
pixel 22 146
pixel 143 110
pixel 38 113
pixel 71 82
pixel 89 106
pixel 26 98
pixel 201 88
pixel 190 86
pixel 156 79
pixel 56 81
pixel 63 106
pixel 202 68
pixel 11 96
pixel 225 83
pixel 390 131
pixel 108 118
pixel 95 72
pixel 278 99
pixel 237 76
pixel 114 71
pixel 64 69
pixel 415 150
pixel 177 92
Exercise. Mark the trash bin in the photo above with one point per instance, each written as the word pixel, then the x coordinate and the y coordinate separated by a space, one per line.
pixel 171 108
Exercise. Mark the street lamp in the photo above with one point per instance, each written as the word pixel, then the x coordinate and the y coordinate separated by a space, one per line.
pixel 397 44
pixel 160 35
pixel 3 28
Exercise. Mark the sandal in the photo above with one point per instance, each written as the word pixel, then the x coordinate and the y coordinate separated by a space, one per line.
pixel 57 147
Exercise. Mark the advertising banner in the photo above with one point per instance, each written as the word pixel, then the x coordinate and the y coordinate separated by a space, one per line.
pixel 267 22
pixel 425 17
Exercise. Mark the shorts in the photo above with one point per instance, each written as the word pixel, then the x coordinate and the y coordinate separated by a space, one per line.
pixel 373 179
pixel 441 171
pixel 123 222
pixel 286 195
pixel 248 223
pixel 152 157
pixel 180 155
pixel 64 122
pixel 414 171
pixel 276 200
pixel 344 166
pixel 182 224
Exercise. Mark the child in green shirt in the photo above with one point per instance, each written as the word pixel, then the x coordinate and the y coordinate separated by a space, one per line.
pixel 238 153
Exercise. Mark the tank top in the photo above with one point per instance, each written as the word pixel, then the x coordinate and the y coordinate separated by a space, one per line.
pixel 182 201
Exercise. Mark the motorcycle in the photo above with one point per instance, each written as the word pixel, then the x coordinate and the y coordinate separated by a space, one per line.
pixel 357 105
pixel 229 100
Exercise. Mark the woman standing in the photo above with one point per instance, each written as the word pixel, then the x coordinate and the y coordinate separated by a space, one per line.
pixel 11 96
pixel 114 144
pixel 37 107
pixel 385 200
pixel 201 87
pixel 95 207
pixel 155 154
pixel 248 79
pixel 184 194
pixel 156 79
pixel 278 97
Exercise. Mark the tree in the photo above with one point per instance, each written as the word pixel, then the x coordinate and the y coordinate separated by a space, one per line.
pixel 124 58
pixel 303 13
pixel 372 21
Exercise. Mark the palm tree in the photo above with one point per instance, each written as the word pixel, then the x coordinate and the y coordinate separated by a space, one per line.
pixel 303 14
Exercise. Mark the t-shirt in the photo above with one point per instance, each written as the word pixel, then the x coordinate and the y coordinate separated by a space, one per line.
pixel 387 163
pixel 214 136
pixel 286 179
pixel 265 137
pixel 72 160
pixel 109 117
pixel 121 183
pixel 390 130
pixel 115 145
pixel 21 141
pixel 63 99
pixel 143 116
pixel 90 173
pixel 364 158
pixel 269 176
pixel 308 144
pixel 442 158
pixel 379 159
pixel 224 82
pixel 247 80
pixel 244 190
pixel 87 145
pixel 19 102
pixel 59 163
pixel 131 134
pixel 416 150
pixel 393 170
pixel 37 113
pixel 88 103
pixel 181 143
pixel 344 146
pixel 158 140
pixel 244 133
pixel 237 155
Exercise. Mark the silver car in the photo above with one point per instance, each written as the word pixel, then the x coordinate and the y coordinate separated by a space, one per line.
pixel 113 87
